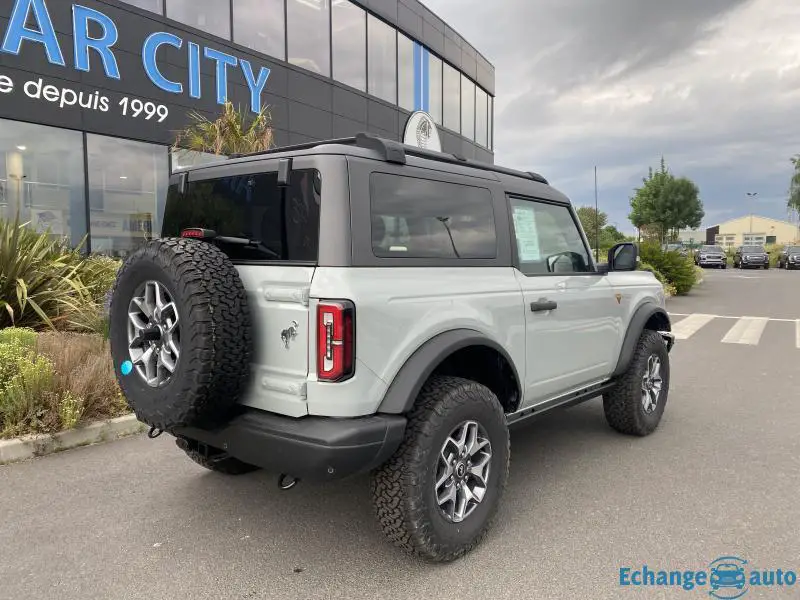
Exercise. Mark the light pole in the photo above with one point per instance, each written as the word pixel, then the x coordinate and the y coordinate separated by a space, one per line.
pixel 752 195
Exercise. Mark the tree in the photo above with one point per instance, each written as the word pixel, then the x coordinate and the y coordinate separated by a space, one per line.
pixel 794 186
pixel 666 204
pixel 592 220
pixel 610 235
pixel 230 133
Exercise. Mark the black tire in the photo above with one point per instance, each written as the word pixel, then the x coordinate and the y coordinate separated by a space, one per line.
pixel 623 405
pixel 403 489
pixel 226 466
pixel 724 266
pixel 766 267
pixel 212 371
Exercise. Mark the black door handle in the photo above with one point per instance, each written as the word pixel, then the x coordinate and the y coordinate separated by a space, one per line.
pixel 543 305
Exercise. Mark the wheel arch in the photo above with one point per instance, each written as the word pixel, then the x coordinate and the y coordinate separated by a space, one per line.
pixel 460 352
pixel 648 316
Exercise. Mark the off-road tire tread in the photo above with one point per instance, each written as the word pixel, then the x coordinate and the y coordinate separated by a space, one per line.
pixel 396 486
pixel 226 466
pixel 622 405
pixel 216 332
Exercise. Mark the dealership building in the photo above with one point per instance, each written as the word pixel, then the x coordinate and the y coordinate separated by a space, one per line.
pixel 92 94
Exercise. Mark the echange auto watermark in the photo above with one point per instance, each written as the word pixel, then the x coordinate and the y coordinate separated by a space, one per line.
pixel 726 578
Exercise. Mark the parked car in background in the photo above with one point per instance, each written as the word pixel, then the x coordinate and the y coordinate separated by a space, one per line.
pixel 679 248
pixel 711 256
pixel 751 256
pixel 789 258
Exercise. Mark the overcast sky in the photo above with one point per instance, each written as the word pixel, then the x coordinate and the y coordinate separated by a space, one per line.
pixel 713 85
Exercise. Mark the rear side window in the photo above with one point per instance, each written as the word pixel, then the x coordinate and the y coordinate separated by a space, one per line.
pixel 420 218
pixel 281 223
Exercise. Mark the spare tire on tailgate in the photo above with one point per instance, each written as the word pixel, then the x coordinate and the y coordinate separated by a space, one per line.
pixel 180 333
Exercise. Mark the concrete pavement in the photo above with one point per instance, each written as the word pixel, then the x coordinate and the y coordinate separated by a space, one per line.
pixel 136 519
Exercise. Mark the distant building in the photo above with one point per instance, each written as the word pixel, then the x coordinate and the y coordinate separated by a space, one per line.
pixel 752 229
pixel 692 237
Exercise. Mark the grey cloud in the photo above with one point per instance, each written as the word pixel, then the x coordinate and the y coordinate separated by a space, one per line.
pixel 712 85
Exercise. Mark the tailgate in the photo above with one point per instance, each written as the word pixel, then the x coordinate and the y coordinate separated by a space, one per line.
pixel 279 305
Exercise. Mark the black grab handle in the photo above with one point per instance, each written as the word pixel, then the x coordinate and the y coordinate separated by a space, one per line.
pixel 543 305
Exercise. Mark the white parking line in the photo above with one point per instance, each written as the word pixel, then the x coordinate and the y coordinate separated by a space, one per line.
pixel 672 314
pixel 747 330
pixel 798 333
pixel 686 328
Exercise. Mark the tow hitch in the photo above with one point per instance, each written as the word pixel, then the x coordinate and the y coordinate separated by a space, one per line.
pixel 287 482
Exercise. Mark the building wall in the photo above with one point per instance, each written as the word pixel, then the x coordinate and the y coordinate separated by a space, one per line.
pixel 84 147
pixel 753 229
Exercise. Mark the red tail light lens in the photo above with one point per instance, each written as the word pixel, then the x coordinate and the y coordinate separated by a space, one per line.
pixel 198 233
pixel 336 340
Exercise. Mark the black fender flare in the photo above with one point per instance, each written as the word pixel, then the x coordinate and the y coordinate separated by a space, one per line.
pixel 406 385
pixel 635 328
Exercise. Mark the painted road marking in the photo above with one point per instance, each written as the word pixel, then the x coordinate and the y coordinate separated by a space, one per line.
pixel 797 334
pixel 672 314
pixel 747 330
pixel 687 327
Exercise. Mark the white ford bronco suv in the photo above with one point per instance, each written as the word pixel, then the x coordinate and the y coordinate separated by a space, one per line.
pixel 359 305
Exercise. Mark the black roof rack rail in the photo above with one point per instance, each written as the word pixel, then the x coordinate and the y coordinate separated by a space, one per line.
pixel 295 147
pixel 396 152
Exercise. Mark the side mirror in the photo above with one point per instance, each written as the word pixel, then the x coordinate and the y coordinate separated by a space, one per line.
pixel 623 257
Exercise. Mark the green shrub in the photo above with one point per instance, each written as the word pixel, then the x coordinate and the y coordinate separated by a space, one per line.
pixel 39 278
pixel 19 335
pixel 97 274
pixel 648 267
pixel 25 396
pixel 70 410
pixel 677 270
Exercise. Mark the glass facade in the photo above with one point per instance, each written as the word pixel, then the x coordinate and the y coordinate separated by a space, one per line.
pixel 127 187
pixel 41 178
pixel 382 60
pixel 481 117
pixel 406 85
pixel 261 25
pixel 435 83
pixel 308 28
pixel 156 6
pixel 340 39
pixel 211 16
pixel 349 25
pixel 467 108
pixel 451 98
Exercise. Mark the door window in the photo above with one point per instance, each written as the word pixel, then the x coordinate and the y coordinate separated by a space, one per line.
pixel 548 239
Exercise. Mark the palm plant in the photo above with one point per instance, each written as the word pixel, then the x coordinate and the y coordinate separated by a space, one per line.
pixel 230 133
pixel 40 280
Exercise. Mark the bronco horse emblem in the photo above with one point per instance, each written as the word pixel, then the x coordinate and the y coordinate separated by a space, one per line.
pixel 287 335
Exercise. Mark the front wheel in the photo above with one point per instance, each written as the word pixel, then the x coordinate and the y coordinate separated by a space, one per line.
pixel 636 404
pixel 438 495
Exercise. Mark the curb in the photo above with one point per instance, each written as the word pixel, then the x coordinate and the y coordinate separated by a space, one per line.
pixel 32 446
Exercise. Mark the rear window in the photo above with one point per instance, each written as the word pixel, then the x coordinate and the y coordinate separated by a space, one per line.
pixel 420 218
pixel 282 223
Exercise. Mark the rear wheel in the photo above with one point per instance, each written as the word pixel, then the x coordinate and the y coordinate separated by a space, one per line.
pixel 636 404
pixel 438 495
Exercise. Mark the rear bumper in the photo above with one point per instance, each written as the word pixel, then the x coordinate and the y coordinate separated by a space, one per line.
pixel 313 448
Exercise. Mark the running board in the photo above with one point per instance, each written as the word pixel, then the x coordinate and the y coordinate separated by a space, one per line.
pixel 571 399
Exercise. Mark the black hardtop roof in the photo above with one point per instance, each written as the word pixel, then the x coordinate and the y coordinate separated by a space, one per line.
pixel 369 146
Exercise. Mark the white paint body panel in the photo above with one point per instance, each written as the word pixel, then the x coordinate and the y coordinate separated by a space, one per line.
pixel 399 309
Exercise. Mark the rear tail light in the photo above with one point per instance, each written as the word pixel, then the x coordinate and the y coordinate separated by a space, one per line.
pixel 198 233
pixel 336 340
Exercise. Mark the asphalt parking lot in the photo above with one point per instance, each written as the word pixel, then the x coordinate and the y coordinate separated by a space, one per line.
pixel 136 519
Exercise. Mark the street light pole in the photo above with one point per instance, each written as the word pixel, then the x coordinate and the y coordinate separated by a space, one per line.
pixel 752 195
